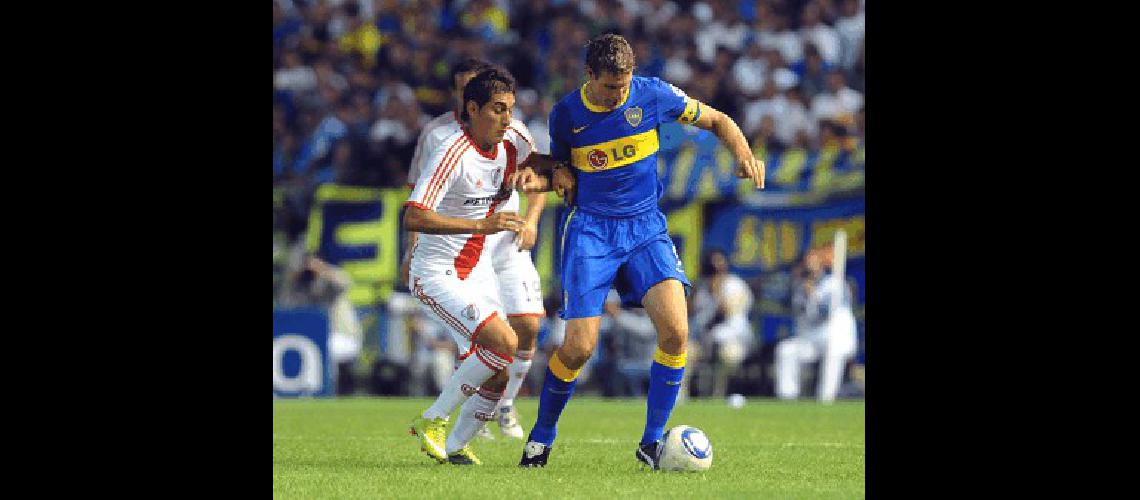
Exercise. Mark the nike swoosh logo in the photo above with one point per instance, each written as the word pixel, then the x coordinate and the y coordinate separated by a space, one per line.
pixel 668 382
pixel 579 129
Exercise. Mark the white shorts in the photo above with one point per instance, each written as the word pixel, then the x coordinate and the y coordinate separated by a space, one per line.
pixel 463 306
pixel 520 288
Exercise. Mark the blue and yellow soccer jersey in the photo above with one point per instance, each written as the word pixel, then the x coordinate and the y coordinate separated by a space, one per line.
pixel 615 152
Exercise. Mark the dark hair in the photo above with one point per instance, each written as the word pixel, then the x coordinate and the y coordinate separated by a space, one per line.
pixel 466 66
pixel 610 53
pixel 707 268
pixel 486 84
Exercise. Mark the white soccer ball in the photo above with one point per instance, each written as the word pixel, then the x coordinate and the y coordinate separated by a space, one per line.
pixel 685 449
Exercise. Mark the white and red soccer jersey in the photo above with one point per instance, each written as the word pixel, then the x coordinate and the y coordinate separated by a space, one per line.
pixel 459 180
pixel 438 129
pixel 442 127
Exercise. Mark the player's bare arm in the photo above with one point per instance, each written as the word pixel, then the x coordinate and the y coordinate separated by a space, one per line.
pixel 561 181
pixel 533 175
pixel 427 221
pixel 748 166
pixel 527 235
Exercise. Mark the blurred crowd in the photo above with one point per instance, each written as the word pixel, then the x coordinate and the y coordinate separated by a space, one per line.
pixel 354 81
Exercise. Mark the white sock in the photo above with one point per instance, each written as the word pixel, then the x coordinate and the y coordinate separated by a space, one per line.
pixel 517 370
pixel 478 410
pixel 473 371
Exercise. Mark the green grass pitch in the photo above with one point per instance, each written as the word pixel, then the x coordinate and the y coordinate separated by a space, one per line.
pixel 360 448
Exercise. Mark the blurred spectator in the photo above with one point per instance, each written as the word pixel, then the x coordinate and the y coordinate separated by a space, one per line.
pixel 677 68
pixel 719 26
pixel 764 141
pixel 750 71
pixel 310 281
pixel 812 72
pixel 418 343
pixel 658 14
pixel 774 33
pixel 838 102
pixel 293 76
pixel 850 26
pixel 857 75
pixel 719 311
pixel 815 32
pixel 629 342
pixel 333 128
pixel 360 38
pixel 779 71
pixel 823 332
pixel 386 16
pixel 286 25
pixel 788 112
pixel 486 20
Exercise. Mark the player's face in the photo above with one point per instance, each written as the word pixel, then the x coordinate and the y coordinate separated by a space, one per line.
pixel 609 89
pixel 489 123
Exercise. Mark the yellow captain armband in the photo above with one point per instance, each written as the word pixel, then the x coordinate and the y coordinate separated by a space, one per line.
pixel 691 113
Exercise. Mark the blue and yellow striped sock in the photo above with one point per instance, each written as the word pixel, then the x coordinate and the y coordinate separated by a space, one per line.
pixel 664 385
pixel 556 392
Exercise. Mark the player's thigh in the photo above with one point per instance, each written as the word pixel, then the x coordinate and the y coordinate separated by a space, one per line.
pixel 665 304
pixel 589 264
pixel 649 265
pixel 520 286
pixel 460 305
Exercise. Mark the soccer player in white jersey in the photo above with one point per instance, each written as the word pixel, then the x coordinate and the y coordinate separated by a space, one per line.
pixel 520 287
pixel 461 198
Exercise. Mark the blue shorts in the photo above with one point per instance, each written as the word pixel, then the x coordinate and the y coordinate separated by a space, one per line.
pixel 630 254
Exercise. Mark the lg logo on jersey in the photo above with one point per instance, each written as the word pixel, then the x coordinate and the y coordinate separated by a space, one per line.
pixel 598 158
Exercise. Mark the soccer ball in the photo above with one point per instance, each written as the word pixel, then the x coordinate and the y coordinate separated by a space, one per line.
pixel 685 449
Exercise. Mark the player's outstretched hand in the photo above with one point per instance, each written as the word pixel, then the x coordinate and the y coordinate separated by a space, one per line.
pixel 751 168
pixel 527 181
pixel 500 221
pixel 564 184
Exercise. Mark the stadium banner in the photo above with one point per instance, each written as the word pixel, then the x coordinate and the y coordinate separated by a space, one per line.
pixel 765 243
pixel 358 229
pixel 301 361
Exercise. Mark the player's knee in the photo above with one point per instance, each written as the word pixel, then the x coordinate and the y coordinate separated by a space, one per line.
pixel 526 328
pixel 499 338
pixel 510 344
pixel 575 353
pixel 674 339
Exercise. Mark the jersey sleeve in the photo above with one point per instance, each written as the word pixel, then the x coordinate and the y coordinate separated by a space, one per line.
pixel 438 173
pixel 525 141
pixel 425 145
pixel 673 104
pixel 560 133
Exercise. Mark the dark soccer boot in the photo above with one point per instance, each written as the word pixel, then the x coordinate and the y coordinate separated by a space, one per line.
pixel 535 455
pixel 464 457
pixel 649 453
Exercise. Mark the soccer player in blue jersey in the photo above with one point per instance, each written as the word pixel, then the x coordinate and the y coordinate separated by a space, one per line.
pixel 615 235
